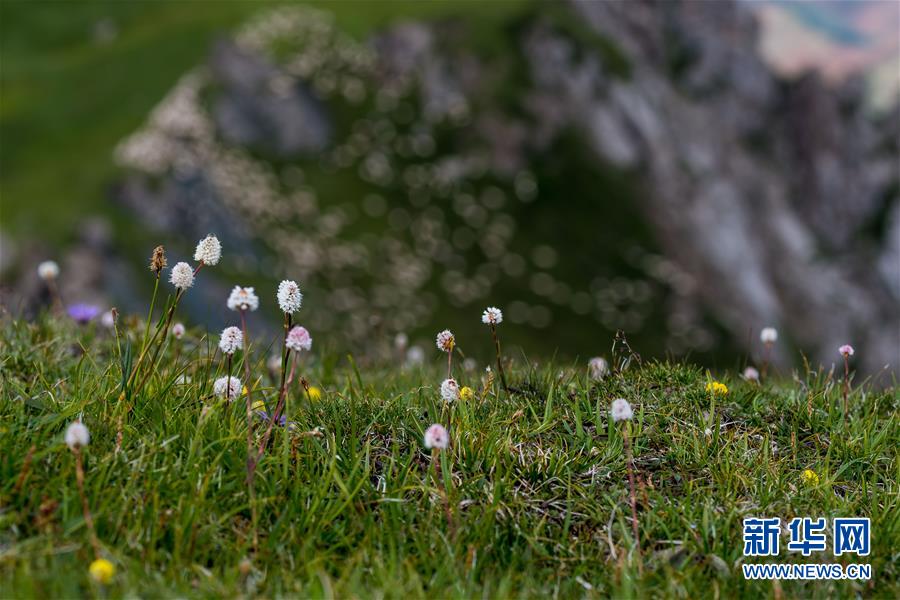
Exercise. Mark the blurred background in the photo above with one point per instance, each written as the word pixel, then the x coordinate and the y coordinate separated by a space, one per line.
pixel 684 171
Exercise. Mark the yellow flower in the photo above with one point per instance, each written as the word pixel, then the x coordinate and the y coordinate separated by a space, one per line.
pixel 467 394
pixel 716 387
pixel 258 405
pixel 809 477
pixel 102 570
pixel 315 393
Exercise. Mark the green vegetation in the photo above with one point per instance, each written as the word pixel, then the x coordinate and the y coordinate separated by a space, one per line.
pixel 537 486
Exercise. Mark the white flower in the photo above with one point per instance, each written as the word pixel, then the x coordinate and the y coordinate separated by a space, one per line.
pixel 227 387
pixel 48 270
pixel 437 437
pixel 751 374
pixel 598 368
pixel 492 316
pixel 108 320
pixel 183 380
pixel 401 341
pixel 231 340
pixel 208 251
pixel 846 350
pixel 243 298
pixel 289 296
pixel 768 335
pixel 178 331
pixel 298 339
pixel 182 276
pixel 621 410
pixel 449 390
pixel 415 355
pixel 445 341
pixel 77 435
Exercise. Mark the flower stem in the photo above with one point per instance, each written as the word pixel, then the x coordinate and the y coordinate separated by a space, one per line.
pixel 499 360
pixel 88 519
pixel 150 313
pixel 846 389
pixel 629 460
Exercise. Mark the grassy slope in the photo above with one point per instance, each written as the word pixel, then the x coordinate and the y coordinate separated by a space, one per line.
pixel 537 481
pixel 67 101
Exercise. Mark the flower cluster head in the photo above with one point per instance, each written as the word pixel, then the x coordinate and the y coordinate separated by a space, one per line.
pixel 769 335
pixel 716 388
pixel 621 410
pixel 227 387
pixel 751 374
pixel 809 477
pixel 48 270
pixel 158 260
pixel 449 390
pixel 178 330
pixel 208 251
pixel 445 341
pixel 102 571
pixel 242 299
pixel 598 368
pixel 289 296
pixel 298 339
pixel 467 394
pixel 437 437
pixel 492 316
pixel 846 350
pixel 182 276
pixel 77 435
pixel 231 340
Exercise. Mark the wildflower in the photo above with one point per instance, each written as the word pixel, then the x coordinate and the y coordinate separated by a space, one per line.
pixel 436 437
pixel 768 336
pixel 227 387
pixel 846 350
pixel 102 571
pixel 809 477
pixel 178 330
pixel 231 340
pixel 415 356
pixel 621 410
pixel 445 341
pixel 183 380
pixel 492 316
pixel 289 296
pixel 598 368
pixel 298 339
pixel 182 276
pixel 314 393
pixel 158 260
pixel 242 298
pixel 470 364
pixel 77 435
pixel 274 364
pixel 108 319
pixel 449 390
pixel 467 394
pixel 82 313
pixel 751 374
pixel 716 388
pixel 208 251
pixel 401 341
pixel 48 270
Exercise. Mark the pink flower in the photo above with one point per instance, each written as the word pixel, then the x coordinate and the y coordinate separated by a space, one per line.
pixel 298 339
pixel 846 350
pixel 437 437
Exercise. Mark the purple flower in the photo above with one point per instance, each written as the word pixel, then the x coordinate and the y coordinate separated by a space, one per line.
pixel 282 420
pixel 82 313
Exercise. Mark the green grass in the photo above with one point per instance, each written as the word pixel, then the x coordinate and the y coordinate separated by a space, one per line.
pixel 536 481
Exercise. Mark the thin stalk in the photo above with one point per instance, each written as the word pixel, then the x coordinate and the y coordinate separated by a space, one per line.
pixel 439 480
pixel 450 364
pixel 846 389
pixel 251 490
pixel 629 460
pixel 280 408
pixel 165 333
pixel 88 519
pixel 150 313
pixel 285 353
pixel 499 360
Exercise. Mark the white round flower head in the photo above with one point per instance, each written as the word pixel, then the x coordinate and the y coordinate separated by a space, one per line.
pixel 243 298
pixel 846 350
pixel 231 340
pixel 227 387
pixel 445 341
pixel 415 355
pixel 48 270
pixel 751 374
pixel 77 435
pixel 598 368
pixel 289 296
pixel 621 410
pixel 208 251
pixel 298 339
pixel 449 390
pixel 182 276
pixel 178 331
pixel 401 341
pixel 108 320
pixel 492 316
pixel 437 437
pixel 769 335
